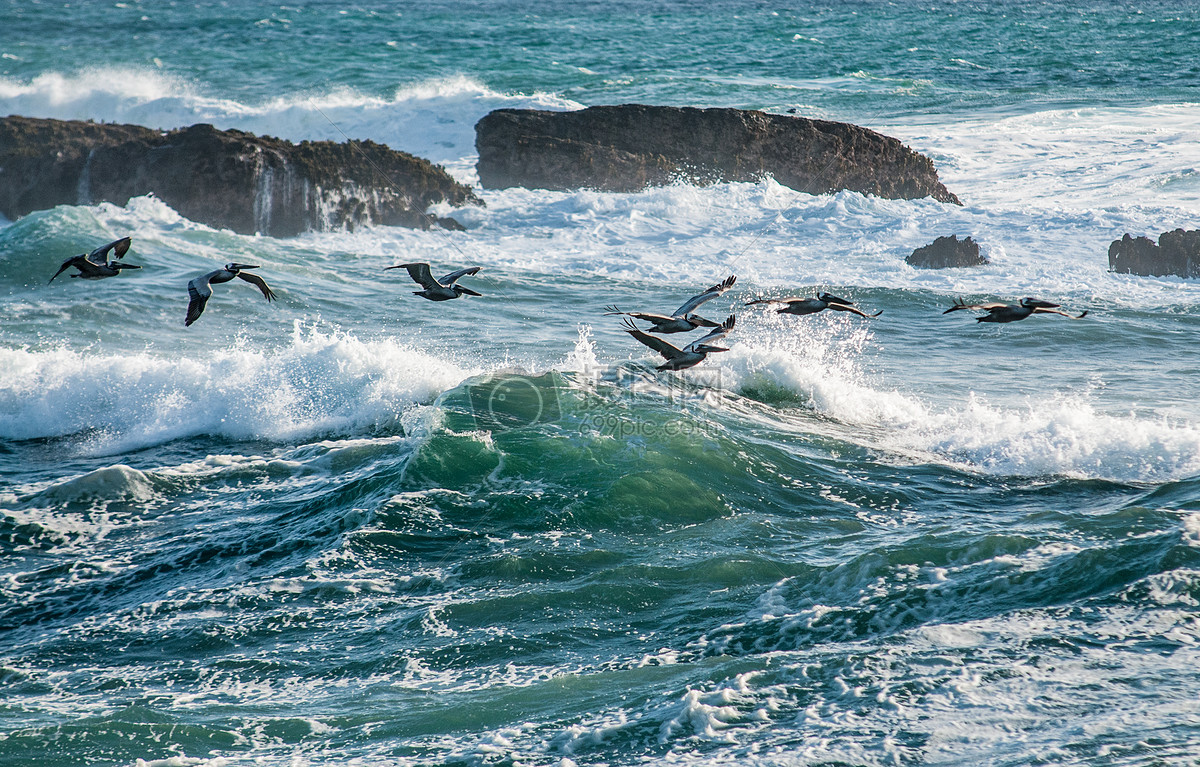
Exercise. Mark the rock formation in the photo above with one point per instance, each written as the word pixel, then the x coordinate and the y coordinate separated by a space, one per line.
pixel 226 179
pixel 1177 252
pixel 630 147
pixel 947 253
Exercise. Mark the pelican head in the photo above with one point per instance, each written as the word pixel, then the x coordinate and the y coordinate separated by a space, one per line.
pixel 709 349
pixel 235 267
pixel 829 298
pixel 1034 303
pixel 119 266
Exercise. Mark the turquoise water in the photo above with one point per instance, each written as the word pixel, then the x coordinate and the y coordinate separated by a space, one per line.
pixel 356 527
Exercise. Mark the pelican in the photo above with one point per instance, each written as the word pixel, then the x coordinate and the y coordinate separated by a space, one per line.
pixel 200 288
pixel 813 305
pixel 690 355
pixel 681 320
pixel 438 290
pixel 92 266
pixel 998 312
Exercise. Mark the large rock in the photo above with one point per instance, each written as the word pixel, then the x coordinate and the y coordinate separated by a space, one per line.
pixel 630 147
pixel 1177 252
pixel 227 179
pixel 947 253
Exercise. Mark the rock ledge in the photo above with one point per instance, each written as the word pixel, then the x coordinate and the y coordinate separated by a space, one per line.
pixel 224 178
pixel 629 147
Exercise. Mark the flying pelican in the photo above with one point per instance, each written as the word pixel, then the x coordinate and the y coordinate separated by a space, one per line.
pixel 200 288
pixel 92 266
pixel 813 305
pixel 438 290
pixel 998 312
pixel 690 355
pixel 681 320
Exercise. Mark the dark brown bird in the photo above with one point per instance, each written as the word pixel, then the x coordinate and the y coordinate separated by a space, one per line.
pixel 93 266
pixel 200 291
pixel 998 312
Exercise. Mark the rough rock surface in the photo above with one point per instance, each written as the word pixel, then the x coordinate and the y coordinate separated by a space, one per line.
pixel 947 253
pixel 629 147
pixel 228 179
pixel 1177 252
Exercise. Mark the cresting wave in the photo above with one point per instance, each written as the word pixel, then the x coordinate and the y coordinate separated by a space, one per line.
pixel 1067 434
pixel 319 384
pixel 328 383
pixel 433 119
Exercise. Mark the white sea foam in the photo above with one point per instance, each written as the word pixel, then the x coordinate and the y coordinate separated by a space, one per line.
pixel 318 384
pixel 1065 434
pixel 772 236
pixel 1093 157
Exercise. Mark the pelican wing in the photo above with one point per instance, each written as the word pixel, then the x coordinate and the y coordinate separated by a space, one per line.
pixel 199 290
pixel 452 277
pixel 119 247
pixel 716 335
pixel 260 283
pixel 643 316
pixel 657 344
pixel 960 304
pixel 74 261
pixel 707 295
pixel 1043 310
pixel 420 274
pixel 791 300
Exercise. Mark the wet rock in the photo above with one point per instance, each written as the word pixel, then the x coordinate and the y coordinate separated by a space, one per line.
pixel 1176 253
pixel 224 178
pixel 630 147
pixel 947 253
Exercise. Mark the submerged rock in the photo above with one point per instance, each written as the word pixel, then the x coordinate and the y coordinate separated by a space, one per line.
pixel 947 253
pixel 630 147
pixel 1177 253
pixel 224 178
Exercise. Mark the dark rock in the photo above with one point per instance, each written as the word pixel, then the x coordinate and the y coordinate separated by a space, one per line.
pixel 630 147
pixel 947 253
pixel 1177 253
pixel 227 179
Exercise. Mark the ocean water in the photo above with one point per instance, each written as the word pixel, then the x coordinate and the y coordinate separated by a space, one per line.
pixel 353 527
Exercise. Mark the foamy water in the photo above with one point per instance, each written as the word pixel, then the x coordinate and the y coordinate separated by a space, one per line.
pixel 353 526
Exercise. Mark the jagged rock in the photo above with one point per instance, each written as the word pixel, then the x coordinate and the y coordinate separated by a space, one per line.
pixel 1177 252
pixel 947 253
pixel 629 147
pixel 227 179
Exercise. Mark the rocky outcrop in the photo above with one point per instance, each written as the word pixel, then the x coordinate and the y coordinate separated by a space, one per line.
pixel 227 179
pixel 1177 253
pixel 630 147
pixel 947 253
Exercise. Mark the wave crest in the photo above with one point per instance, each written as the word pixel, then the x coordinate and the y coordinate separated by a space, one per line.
pixel 319 384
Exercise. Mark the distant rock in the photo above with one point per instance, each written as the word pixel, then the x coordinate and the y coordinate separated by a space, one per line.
pixel 947 253
pixel 1177 253
pixel 630 147
pixel 227 179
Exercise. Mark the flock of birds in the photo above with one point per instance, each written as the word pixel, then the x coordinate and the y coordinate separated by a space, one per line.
pixel 97 265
